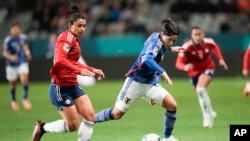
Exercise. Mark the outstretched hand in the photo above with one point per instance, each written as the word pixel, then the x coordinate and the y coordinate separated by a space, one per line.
pixel 99 73
pixel 223 64
pixel 245 73
pixel 177 49
pixel 166 78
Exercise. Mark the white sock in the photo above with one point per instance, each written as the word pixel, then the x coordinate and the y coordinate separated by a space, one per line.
pixel 204 102
pixel 85 131
pixel 58 126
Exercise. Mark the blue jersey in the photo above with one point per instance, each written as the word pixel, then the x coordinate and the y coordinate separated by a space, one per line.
pixel 15 46
pixel 146 69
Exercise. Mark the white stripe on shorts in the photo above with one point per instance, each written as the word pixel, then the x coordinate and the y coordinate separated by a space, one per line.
pixel 58 94
pixel 125 88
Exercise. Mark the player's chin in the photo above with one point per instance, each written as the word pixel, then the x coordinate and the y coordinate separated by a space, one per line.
pixel 80 34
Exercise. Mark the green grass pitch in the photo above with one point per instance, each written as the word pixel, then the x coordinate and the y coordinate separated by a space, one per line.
pixel 226 94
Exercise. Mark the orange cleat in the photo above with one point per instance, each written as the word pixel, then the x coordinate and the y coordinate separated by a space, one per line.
pixel 26 104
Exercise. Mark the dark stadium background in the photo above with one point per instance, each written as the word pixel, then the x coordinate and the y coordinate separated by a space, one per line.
pixel 117 28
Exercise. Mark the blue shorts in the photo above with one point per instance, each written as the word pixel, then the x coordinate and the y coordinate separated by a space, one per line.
pixel 194 80
pixel 64 95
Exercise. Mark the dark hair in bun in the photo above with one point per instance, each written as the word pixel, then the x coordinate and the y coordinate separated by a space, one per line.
pixel 75 13
pixel 74 8
pixel 169 27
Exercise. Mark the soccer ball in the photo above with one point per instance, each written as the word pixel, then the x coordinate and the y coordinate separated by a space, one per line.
pixel 151 137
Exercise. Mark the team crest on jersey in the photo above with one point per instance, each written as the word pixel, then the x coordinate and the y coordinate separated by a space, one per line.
pixel 66 47
pixel 18 48
pixel 155 51
pixel 127 100
pixel 206 50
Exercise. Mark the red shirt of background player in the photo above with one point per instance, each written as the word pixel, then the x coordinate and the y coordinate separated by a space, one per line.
pixel 66 65
pixel 199 56
pixel 246 59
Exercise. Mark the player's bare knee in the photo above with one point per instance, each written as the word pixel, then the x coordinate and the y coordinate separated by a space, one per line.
pixel 90 117
pixel 73 126
pixel 171 106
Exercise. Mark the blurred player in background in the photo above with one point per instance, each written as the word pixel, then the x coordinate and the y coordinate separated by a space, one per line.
pixel 65 93
pixel 16 52
pixel 82 80
pixel 196 60
pixel 143 80
pixel 245 70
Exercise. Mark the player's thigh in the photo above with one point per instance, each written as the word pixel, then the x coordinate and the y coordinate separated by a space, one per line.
pixel 130 93
pixel 60 97
pixel 205 78
pixel 70 116
pixel 23 72
pixel 157 94
pixel 85 108
pixel 11 73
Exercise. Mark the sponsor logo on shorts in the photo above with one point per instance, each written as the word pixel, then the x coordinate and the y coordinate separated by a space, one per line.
pixel 67 101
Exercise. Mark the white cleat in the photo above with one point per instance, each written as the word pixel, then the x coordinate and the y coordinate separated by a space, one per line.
pixel 208 122
pixel 171 138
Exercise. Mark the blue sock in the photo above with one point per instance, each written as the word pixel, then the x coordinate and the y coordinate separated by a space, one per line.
pixel 104 115
pixel 169 122
pixel 25 91
pixel 13 94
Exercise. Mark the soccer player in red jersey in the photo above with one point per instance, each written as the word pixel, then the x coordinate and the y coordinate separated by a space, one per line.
pixel 196 60
pixel 65 92
pixel 245 71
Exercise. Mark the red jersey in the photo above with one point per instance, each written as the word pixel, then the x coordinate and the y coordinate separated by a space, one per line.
pixel 66 66
pixel 246 58
pixel 199 56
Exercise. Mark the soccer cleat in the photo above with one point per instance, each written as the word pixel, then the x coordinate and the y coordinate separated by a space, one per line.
pixel 38 131
pixel 14 106
pixel 208 122
pixel 26 104
pixel 171 138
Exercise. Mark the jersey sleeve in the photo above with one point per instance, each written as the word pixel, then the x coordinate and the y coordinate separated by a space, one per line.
pixel 216 50
pixel 150 62
pixel 80 65
pixel 24 38
pixel 151 52
pixel 5 43
pixel 151 48
pixel 246 59
pixel 179 63
pixel 62 48
pixel 181 57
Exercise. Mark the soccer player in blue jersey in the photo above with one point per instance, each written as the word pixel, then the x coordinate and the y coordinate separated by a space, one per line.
pixel 143 79
pixel 17 54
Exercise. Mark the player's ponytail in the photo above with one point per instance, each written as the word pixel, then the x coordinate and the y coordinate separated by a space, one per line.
pixel 169 27
pixel 75 13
